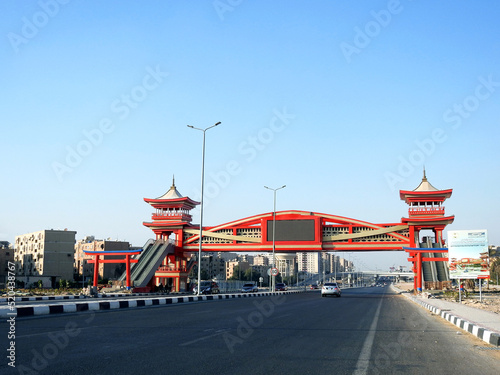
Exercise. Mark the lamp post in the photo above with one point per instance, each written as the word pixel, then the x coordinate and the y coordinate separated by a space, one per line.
pixel 273 278
pixel 201 200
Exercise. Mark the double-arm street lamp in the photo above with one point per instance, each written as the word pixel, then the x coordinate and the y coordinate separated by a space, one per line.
pixel 273 278
pixel 201 200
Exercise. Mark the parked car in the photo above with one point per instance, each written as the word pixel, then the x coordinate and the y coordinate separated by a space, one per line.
pixel 207 287
pixel 249 288
pixel 331 289
pixel 281 287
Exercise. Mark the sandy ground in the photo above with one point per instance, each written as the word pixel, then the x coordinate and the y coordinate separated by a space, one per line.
pixel 490 297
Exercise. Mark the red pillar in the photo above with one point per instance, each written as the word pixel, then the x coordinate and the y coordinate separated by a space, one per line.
pixel 127 262
pixel 96 270
pixel 419 272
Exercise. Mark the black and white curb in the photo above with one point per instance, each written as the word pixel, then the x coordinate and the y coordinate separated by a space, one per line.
pixel 80 296
pixel 484 334
pixel 23 311
pixel 43 298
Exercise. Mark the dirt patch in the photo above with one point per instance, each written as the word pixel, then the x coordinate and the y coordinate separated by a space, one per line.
pixel 490 297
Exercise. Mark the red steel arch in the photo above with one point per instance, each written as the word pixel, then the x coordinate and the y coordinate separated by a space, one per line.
pixel 321 232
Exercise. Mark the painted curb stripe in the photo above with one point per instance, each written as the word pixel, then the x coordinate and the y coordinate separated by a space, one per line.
pixel 120 304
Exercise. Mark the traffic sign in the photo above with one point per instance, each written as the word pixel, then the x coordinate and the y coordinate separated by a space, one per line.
pixel 274 271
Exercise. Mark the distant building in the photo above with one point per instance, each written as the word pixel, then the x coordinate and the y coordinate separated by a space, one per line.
pixel 214 266
pixel 285 264
pixel 310 262
pixel 106 270
pixel 230 268
pixel 6 256
pixel 45 255
pixel 260 260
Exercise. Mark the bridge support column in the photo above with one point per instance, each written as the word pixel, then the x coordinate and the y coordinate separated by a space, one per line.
pixel 419 272
pixel 96 270
pixel 127 262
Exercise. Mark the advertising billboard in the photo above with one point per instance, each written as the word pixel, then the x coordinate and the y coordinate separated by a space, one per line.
pixel 468 254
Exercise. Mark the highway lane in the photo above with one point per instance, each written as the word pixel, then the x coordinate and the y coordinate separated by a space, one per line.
pixel 367 331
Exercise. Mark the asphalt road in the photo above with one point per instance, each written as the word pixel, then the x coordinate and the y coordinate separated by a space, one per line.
pixel 366 331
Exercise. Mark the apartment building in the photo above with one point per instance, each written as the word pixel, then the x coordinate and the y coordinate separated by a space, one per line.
pixel 106 270
pixel 6 256
pixel 45 255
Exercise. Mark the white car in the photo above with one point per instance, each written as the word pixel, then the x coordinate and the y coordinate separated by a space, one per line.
pixel 249 288
pixel 330 289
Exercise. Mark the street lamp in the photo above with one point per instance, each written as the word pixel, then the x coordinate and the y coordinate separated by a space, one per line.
pixel 201 199
pixel 273 279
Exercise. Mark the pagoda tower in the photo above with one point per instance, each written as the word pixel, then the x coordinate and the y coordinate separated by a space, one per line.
pixel 426 212
pixel 171 216
pixel 172 213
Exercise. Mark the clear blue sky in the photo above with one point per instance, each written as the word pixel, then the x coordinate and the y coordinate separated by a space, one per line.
pixel 344 102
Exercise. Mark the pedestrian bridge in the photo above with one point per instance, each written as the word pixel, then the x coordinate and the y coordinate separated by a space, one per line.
pixel 298 231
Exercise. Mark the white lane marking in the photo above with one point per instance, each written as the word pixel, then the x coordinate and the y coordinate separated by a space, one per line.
pixel 364 356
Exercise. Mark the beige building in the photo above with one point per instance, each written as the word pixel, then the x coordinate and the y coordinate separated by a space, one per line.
pixel 110 271
pixel 230 266
pixel 261 260
pixel 6 257
pixel 45 255
pixel 214 266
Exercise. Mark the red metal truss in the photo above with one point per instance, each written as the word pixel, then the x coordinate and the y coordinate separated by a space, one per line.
pixel 346 234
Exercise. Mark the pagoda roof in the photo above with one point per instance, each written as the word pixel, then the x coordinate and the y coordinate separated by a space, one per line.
pixel 172 193
pixel 172 196
pixel 425 185
pixel 425 189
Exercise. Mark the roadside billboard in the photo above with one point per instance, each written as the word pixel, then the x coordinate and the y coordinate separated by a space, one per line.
pixel 468 254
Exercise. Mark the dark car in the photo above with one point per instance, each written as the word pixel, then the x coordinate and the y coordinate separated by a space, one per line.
pixel 207 287
pixel 281 287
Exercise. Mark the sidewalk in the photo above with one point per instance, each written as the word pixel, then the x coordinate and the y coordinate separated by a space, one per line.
pixel 482 324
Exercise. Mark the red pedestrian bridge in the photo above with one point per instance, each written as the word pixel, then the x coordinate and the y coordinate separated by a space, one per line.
pixel 169 256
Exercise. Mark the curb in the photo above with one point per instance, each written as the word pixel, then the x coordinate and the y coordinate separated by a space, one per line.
pixel 79 296
pixel 482 333
pixel 121 304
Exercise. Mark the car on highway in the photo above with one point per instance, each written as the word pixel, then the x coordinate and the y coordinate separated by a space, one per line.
pixel 314 286
pixel 331 289
pixel 281 287
pixel 249 288
pixel 207 287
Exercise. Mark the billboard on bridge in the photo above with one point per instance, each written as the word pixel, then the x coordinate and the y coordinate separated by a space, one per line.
pixel 468 254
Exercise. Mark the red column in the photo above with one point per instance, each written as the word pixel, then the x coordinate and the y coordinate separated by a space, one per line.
pixel 127 262
pixel 96 269
pixel 419 272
